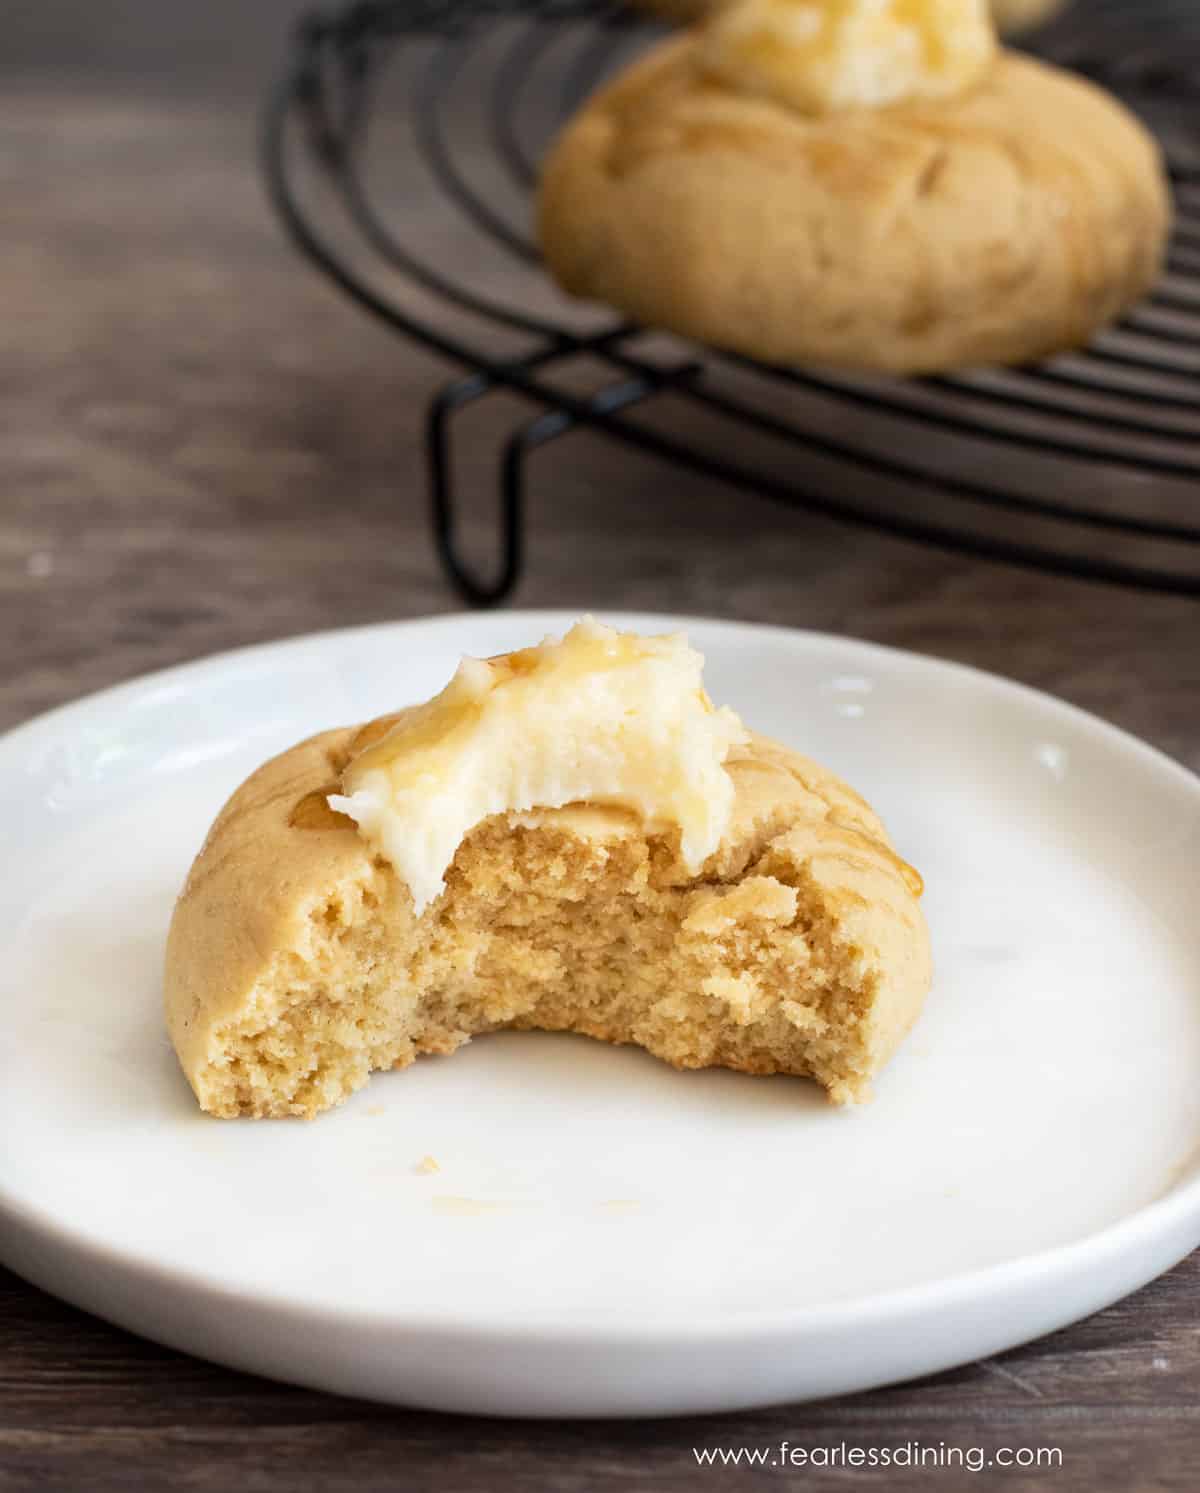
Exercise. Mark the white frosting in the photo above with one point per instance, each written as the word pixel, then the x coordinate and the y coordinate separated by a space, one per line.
pixel 598 717
pixel 819 56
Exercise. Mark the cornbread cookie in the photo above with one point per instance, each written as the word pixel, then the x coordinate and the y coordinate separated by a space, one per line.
pixel 296 963
pixel 1000 224
pixel 1011 16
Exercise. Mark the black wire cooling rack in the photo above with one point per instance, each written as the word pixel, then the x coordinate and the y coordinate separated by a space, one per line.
pixel 399 128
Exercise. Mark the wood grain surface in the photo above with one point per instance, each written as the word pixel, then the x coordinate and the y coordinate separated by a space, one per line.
pixel 202 446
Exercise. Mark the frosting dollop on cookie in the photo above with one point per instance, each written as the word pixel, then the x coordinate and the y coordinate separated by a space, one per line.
pixel 598 717
pixel 820 56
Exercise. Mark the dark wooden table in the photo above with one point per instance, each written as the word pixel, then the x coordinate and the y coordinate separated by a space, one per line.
pixel 203 446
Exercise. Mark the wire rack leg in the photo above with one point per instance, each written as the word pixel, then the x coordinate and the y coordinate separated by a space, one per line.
pixel 528 438
pixel 510 545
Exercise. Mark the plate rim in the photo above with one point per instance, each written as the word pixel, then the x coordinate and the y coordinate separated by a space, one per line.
pixel 1146 1226
pixel 988 1284
pixel 560 618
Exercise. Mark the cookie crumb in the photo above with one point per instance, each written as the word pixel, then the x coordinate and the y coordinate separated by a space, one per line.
pixel 427 1165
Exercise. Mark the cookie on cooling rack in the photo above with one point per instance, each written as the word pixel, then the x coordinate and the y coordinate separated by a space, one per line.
pixel 1015 16
pixel 904 197
pixel 1011 16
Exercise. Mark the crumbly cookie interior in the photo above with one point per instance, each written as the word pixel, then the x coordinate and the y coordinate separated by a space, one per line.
pixel 544 926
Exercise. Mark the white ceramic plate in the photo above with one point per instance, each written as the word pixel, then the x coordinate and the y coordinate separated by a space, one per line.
pixel 605 1235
